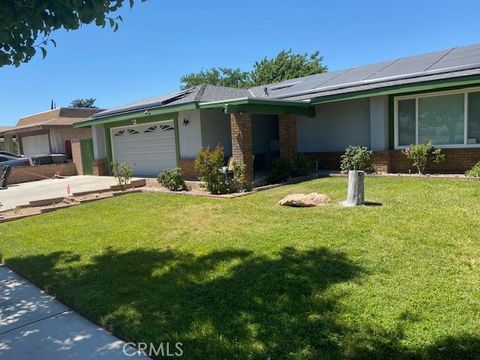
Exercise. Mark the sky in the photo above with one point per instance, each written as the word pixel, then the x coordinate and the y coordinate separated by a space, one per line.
pixel 161 40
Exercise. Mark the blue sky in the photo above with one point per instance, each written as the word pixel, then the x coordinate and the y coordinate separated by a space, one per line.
pixel 160 40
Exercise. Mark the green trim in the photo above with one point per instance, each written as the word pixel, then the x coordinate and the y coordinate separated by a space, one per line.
pixel 391 123
pixel 269 109
pixel 249 101
pixel 428 86
pixel 177 139
pixel 140 116
pixel 108 145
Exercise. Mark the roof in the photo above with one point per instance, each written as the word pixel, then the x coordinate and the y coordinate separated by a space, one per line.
pixel 5 128
pixel 455 62
pixel 61 117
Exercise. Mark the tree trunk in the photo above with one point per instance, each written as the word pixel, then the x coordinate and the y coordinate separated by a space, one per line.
pixel 356 188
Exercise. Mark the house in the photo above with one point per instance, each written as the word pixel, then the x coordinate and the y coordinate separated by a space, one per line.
pixel 386 106
pixel 50 131
pixel 7 143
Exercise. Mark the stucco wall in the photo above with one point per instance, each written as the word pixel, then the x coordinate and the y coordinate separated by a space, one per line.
pixel 335 126
pixel 190 136
pixel 99 145
pixel 379 123
pixel 216 129
pixel 58 136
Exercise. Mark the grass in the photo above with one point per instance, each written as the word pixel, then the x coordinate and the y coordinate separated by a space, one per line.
pixel 247 279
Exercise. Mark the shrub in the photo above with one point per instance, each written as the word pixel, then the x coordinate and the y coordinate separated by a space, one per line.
pixel 281 170
pixel 302 165
pixel 474 171
pixel 172 179
pixel 356 158
pixel 122 172
pixel 209 165
pixel 420 154
pixel 240 181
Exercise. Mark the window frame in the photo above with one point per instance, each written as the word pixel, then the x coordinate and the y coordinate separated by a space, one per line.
pixel 416 97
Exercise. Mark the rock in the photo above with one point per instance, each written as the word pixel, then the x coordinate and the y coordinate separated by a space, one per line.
pixel 302 200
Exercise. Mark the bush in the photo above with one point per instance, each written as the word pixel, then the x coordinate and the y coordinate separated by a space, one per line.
pixel 420 154
pixel 474 171
pixel 209 165
pixel 356 158
pixel 302 165
pixel 281 170
pixel 172 179
pixel 122 172
pixel 239 181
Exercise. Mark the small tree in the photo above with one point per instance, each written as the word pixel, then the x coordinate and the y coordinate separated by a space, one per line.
pixel 420 154
pixel 356 158
pixel 84 103
pixel 209 165
pixel 122 172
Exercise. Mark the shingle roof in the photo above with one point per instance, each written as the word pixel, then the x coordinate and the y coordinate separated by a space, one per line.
pixel 450 63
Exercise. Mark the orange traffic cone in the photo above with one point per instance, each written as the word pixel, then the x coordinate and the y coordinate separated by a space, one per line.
pixel 69 190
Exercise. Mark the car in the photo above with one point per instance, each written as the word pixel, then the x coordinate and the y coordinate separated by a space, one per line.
pixel 8 153
pixel 13 161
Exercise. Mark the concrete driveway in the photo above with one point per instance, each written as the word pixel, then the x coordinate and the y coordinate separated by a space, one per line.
pixel 22 194
pixel 34 325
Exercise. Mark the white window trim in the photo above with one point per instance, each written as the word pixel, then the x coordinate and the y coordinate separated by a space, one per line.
pixel 416 97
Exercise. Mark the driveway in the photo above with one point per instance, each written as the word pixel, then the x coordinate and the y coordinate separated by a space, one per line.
pixel 22 194
pixel 34 325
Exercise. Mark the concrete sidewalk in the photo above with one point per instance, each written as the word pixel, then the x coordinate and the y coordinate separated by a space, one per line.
pixel 34 325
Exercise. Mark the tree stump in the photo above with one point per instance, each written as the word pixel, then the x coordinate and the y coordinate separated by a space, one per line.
pixel 356 188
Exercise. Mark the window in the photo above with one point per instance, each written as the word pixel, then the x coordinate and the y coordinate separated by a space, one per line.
pixel 446 119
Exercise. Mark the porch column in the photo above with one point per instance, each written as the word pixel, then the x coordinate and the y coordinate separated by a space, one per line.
pixel 242 146
pixel 287 133
pixel 8 143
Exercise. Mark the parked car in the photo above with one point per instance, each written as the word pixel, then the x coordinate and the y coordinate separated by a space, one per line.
pixel 8 153
pixel 13 161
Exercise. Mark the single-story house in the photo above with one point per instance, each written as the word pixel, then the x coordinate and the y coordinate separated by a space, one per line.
pixel 386 106
pixel 50 131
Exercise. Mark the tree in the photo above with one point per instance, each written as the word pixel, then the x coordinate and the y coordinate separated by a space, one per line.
pixel 84 103
pixel 217 76
pixel 286 65
pixel 26 25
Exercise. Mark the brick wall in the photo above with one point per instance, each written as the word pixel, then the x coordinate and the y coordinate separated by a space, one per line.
pixel 457 161
pixel 287 133
pixel 188 168
pixel 242 145
pixel 40 172
pixel 99 167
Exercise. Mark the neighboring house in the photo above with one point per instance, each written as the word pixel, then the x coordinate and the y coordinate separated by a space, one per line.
pixel 386 107
pixel 50 131
pixel 7 142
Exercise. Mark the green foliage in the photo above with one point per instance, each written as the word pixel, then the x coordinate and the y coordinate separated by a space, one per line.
pixel 217 76
pixel 302 165
pixel 280 171
pixel 286 65
pixel 420 154
pixel 356 158
pixel 209 165
pixel 240 181
pixel 172 179
pixel 122 172
pixel 474 171
pixel 84 103
pixel 26 25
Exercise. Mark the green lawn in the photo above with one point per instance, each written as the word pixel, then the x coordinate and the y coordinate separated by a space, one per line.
pixel 247 279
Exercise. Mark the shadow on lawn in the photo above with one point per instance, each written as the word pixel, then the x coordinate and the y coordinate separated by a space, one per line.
pixel 223 305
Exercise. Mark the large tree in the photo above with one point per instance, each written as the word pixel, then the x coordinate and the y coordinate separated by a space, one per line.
pixel 286 65
pixel 84 103
pixel 26 25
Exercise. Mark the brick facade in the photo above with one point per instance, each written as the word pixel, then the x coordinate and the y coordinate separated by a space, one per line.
pixel 457 161
pixel 242 144
pixel 188 168
pixel 99 167
pixel 287 133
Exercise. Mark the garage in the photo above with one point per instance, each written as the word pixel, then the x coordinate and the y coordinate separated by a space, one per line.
pixel 149 148
pixel 35 145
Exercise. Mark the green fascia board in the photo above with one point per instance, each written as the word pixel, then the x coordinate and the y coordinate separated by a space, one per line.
pixel 141 117
pixel 452 83
pixel 250 101
pixel 269 109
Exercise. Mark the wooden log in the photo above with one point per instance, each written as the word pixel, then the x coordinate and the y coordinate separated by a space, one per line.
pixel 356 188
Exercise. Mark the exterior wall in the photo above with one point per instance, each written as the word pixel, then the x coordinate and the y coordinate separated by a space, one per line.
pixel 216 130
pixel 190 136
pixel 335 126
pixel 242 144
pixel 77 156
pixel 58 136
pixel 188 168
pixel 379 123
pixel 40 172
pixel 99 146
pixel 38 144
pixel 287 129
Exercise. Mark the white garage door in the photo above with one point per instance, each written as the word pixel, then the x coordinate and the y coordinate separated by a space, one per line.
pixel 35 145
pixel 149 148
